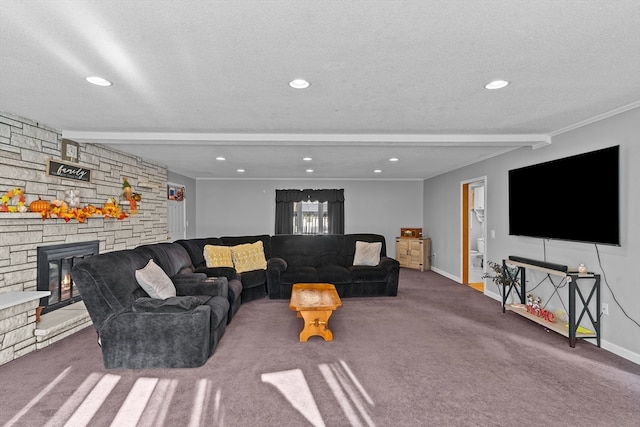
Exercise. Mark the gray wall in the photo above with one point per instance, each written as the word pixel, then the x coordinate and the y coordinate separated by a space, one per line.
pixel 620 264
pixel 189 185
pixel 245 207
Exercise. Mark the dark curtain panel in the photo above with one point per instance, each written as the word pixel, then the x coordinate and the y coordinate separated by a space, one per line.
pixel 286 198
pixel 284 217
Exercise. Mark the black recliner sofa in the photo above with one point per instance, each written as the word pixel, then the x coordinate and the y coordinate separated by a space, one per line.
pixel 136 331
pixel 329 259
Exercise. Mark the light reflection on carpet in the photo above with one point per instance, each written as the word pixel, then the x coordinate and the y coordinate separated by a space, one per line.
pixel 148 399
pixel 351 396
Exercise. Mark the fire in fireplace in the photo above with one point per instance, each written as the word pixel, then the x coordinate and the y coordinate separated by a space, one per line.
pixel 54 272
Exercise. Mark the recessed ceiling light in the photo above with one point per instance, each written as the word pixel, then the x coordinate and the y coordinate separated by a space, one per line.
pixel 99 81
pixel 307 159
pixel 240 170
pixel 377 171
pixel 393 159
pixel 309 170
pixel 496 84
pixel 299 84
pixel 220 158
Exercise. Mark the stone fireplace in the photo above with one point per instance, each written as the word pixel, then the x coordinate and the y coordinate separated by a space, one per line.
pixel 54 265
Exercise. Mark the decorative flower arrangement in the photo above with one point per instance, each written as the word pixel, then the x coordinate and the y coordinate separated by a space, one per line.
pixel 8 196
pixel 499 277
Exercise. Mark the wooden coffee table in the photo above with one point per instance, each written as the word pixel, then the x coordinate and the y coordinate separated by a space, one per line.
pixel 314 302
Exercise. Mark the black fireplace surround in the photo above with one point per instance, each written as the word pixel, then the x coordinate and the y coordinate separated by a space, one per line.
pixel 54 272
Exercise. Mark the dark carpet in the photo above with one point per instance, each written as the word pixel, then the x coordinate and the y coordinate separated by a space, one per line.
pixel 439 354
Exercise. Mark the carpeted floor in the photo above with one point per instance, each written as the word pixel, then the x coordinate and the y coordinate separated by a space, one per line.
pixel 439 354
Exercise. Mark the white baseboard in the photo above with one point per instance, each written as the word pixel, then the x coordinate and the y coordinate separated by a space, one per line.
pixel 445 274
pixel 622 352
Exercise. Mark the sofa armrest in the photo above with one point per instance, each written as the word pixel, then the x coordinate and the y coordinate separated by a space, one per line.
pixel 388 262
pixel 169 305
pixel 188 277
pixel 213 286
pixel 276 263
pixel 275 266
pixel 228 272
pixel 393 268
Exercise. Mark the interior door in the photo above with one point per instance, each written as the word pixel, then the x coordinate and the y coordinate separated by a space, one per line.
pixel 176 219
pixel 470 249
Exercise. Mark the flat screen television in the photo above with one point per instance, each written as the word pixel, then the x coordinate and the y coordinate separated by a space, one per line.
pixel 575 198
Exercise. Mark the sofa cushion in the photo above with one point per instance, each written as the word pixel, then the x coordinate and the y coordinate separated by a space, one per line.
pixel 171 257
pixel 251 279
pixel 299 274
pixel 195 249
pixel 249 257
pixel 155 281
pixel 363 273
pixel 367 253
pixel 334 274
pixel 309 251
pixel 218 256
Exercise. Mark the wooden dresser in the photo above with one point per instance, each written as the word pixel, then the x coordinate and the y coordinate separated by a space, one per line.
pixel 414 252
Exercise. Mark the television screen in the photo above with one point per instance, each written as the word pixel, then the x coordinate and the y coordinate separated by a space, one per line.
pixel 575 198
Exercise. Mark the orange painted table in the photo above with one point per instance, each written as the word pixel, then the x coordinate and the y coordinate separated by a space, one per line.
pixel 314 302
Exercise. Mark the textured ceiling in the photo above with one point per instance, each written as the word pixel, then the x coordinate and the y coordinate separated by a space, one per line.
pixel 195 80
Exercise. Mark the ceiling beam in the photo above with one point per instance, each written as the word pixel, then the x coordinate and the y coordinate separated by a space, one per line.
pixel 293 139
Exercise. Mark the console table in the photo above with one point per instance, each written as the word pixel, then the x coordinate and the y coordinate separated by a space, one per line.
pixel 578 289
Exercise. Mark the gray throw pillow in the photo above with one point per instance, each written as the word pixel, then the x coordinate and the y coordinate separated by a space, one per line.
pixel 367 253
pixel 155 281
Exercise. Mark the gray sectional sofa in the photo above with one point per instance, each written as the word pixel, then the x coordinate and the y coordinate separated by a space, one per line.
pixel 138 331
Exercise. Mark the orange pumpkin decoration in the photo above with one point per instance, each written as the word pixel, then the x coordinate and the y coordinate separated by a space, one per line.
pixel 39 206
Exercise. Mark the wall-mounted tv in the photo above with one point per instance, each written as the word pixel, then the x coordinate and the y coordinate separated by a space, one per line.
pixel 575 198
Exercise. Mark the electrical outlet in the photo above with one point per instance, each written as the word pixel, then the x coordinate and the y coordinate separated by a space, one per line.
pixel 605 309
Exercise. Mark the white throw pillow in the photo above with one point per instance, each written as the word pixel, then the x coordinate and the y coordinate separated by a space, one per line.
pixel 155 281
pixel 367 253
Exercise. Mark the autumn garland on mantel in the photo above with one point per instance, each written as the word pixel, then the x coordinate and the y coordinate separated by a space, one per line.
pixel 6 198
pixel 61 210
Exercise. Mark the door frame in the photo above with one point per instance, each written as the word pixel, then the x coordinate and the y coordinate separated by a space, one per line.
pixel 464 226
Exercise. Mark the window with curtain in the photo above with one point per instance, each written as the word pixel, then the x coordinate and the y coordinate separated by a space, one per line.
pixel 309 212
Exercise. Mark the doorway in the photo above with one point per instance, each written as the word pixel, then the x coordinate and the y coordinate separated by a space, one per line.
pixel 176 212
pixel 473 232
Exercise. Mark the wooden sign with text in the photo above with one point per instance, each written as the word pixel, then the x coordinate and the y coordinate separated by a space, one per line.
pixel 68 171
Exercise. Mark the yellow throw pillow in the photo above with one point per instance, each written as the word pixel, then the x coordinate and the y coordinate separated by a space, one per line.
pixel 218 256
pixel 249 257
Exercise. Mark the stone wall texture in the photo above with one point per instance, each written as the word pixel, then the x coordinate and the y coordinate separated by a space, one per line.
pixel 25 149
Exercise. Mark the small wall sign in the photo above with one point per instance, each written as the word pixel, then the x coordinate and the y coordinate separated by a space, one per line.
pixel 68 171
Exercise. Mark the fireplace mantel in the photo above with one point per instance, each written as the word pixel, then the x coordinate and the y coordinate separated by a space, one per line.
pixel 13 298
